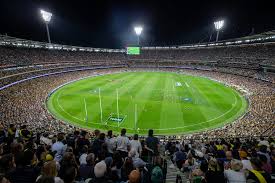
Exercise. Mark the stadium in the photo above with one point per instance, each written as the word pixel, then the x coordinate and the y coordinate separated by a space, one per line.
pixel 212 99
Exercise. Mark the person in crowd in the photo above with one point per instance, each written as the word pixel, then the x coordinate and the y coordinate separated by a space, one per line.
pixel 100 170
pixel 123 144
pixel 235 174
pixel 50 170
pixel 67 161
pixel 136 145
pixel 157 173
pixel 110 142
pixel 24 133
pixel 98 144
pixel 83 140
pixel 87 170
pixel 245 161
pixel 83 155
pixel 7 164
pixel 11 133
pixel 70 174
pixel 44 139
pixel 265 165
pixel 25 168
pixel 127 168
pixel 214 172
pixel 179 158
pixel 137 162
pixel 134 177
pixel 59 147
pixel 257 174
pixel 152 145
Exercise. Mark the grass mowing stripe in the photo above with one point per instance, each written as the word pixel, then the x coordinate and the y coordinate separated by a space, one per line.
pixel 109 98
pixel 161 105
pixel 95 97
pixel 194 107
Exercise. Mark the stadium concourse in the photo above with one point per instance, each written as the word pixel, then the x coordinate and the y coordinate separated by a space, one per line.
pixel 37 147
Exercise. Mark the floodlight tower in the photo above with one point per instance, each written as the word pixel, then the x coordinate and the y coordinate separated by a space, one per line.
pixel 47 18
pixel 138 31
pixel 218 26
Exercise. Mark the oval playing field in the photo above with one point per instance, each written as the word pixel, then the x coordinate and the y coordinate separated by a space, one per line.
pixel 167 102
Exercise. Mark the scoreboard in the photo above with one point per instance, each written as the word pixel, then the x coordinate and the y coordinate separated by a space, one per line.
pixel 133 50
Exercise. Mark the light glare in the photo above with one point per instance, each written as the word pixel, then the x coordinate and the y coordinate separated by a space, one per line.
pixel 138 30
pixel 219 24
pixel 46 16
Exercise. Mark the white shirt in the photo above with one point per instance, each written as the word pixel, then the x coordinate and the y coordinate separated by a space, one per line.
pixel 45 140
pixel 234 176
pixel 60 149
pixel 247 164
pixel 111 144
pixel 82 159
pixel 136 145
pixel 122 143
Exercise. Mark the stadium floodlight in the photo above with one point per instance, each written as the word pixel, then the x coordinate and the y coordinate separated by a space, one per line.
pixel 218 26
pixel 138 30
pixel 47 18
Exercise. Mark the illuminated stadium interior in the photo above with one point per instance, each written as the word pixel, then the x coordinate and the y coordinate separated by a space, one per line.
pixel 67 105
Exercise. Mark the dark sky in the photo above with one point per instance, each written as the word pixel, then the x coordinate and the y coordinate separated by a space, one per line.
pixel 109 23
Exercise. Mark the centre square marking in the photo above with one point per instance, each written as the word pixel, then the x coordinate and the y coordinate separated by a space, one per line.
pixel 115 118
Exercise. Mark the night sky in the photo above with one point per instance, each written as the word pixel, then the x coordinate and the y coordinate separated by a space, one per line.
pixel 109 24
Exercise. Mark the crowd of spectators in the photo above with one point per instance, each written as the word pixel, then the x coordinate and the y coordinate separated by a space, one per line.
pixel 95 157
pixel 27 156
pixel 14 56
pixel 232 161
pixel 22 109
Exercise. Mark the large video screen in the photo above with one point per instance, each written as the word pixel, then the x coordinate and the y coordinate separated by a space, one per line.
pixel 133 50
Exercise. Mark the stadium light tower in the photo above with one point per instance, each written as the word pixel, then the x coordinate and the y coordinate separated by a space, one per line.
pixel 47 18
pixel 218 26
pixel 138 31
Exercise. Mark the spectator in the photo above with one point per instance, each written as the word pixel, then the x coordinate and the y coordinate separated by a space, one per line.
pixel 137 162
pixel 100 171
pixel 87 170
pixel 111 143
pixel 24 171
pixel 214 172
pixel 136 145
pixel 134 177
pixel 152 145
pixel 50 170
pixel 157 174
pixel 235 174
pixel 83 156
pixel 123 144
pixel 257 174
pixel 59 148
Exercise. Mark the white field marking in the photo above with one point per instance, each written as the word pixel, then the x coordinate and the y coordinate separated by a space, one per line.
pixel 235 102
pixel 122 120
pixel 187 84
pixel 175 127
pixel 86 112
pixel 65 111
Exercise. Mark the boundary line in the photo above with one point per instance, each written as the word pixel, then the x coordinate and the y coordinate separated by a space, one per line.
pixel 160 129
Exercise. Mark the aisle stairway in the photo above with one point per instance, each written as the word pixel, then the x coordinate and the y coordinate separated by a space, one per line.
pixel 172 173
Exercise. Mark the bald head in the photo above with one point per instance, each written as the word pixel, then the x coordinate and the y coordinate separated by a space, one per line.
pixel 134 176
pixel 229 155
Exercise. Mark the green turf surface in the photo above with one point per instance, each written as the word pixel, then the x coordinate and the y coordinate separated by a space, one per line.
pixel 167 102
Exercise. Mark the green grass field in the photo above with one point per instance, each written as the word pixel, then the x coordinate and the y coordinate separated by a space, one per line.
pixel 167 102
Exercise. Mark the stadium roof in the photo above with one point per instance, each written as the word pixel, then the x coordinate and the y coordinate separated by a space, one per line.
pixel 257 38
pixel 18 42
